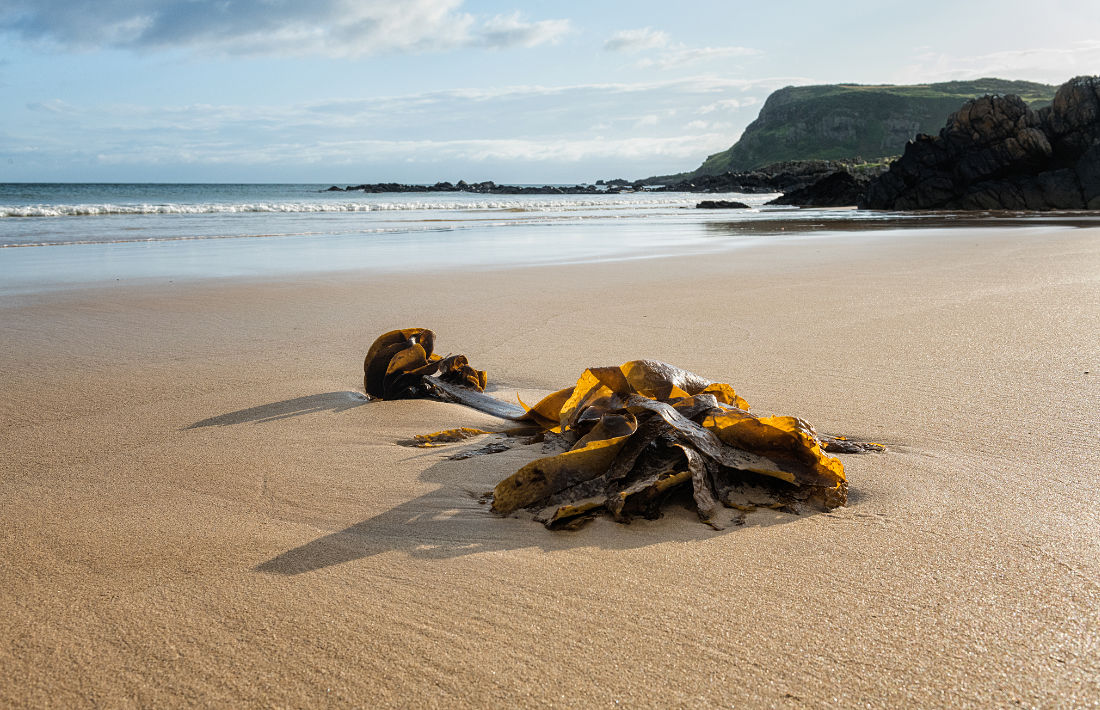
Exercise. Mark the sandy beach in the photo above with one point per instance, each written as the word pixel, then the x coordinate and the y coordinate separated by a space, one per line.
pixel 198 507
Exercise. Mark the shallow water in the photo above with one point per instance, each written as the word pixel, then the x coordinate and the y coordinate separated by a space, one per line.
pixel 63 235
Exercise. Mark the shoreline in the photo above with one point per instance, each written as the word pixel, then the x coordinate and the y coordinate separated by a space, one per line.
pixel 196 509
pixel 52 267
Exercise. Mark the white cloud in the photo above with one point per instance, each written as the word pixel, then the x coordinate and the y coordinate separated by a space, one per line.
pixel 681 56
pixel 636 40
pixel 504 112
pixel 588 98
pixel 526 131
pixel 421 151
pixel 332 28
pixel 669 55
pixel 505 31
pixel 56 106
pixel 1053 65
pixel 726 105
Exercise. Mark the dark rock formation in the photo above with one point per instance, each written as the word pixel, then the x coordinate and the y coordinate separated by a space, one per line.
pixel 778 177
pixel 997 153
pixel 839 189
pixel 484 188
pixel 721 205
pixel 834 120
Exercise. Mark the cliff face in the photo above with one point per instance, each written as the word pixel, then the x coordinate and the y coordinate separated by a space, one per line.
pixel 837 121
pixel 997 153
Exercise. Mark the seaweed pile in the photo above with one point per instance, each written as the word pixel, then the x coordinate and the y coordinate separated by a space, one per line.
pixel 632 437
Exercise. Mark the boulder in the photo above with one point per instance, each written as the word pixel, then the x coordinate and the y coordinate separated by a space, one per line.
pixel 995 153
pixel 1073 119
pixel 840 189
pixel 721 205
pixel 1088 176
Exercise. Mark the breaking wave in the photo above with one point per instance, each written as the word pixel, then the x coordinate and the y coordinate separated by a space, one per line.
pixel 526 205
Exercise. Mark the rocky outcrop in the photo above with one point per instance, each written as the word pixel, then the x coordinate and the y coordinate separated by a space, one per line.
pixel 721 205
pixel 482 188
pixel 997 153
pixel 840 189
pixel 837 120
pixel 778 177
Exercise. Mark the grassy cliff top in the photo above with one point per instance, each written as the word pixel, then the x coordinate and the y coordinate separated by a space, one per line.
pixel 831 121
pixel 1029 91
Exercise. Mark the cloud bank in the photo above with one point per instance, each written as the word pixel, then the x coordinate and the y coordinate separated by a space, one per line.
pixel 329 28
pixel 668 55
pixel 573 131
pixel 1053 65
pixel 636 40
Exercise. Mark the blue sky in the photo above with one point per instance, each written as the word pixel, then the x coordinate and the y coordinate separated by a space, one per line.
pixel 349 91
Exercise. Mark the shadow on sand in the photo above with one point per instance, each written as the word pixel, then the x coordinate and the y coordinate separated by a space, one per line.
pixel 312 404
pixel 452 522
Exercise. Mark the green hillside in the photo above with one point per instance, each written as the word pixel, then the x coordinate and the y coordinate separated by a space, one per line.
pixel 838 121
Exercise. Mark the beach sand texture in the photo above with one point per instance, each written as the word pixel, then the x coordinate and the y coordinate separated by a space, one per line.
pixel 196 507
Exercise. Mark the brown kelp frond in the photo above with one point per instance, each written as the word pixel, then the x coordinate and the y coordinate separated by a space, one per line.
pixel 633 437
pixel 399 361
pixel 447 436
pixel 844 445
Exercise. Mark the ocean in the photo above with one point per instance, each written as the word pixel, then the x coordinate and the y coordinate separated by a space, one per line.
pixel 68 235
pixel 65 214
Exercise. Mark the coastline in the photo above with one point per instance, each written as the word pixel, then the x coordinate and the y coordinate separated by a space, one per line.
pixel 195 509
pixel 465 242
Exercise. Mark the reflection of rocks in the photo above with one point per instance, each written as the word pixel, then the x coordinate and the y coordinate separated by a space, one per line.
pixel 841 189
pixel 996 153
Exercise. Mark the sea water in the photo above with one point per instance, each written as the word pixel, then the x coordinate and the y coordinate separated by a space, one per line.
pixel 64 235
pixel 55 235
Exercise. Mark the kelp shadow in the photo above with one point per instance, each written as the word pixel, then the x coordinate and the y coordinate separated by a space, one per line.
pixel 453 522
pixel 334 402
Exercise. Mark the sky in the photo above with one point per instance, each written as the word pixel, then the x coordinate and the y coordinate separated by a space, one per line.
pixel 354 91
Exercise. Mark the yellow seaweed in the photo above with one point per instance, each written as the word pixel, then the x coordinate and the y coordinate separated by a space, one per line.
pixel 447 436
pixel 552 474
pixel 635 433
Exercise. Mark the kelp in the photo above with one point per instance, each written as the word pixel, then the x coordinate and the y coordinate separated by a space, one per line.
pixel 398 362
pixel 634 436
pixel 447 436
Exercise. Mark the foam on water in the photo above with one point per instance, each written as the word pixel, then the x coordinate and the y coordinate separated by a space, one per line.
pixel 62 235
pixel 37 215
pixel 91 234
pixel 524 205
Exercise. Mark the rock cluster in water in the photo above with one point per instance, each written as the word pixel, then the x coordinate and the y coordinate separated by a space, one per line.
pixel 721 205
pixel 483 188
pixel 996 153
pixel 778 177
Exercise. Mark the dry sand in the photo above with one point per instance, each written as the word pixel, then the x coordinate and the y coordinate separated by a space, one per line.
pixel 196 509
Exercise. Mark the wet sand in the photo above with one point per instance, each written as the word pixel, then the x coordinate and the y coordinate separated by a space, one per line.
pixel 197 508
